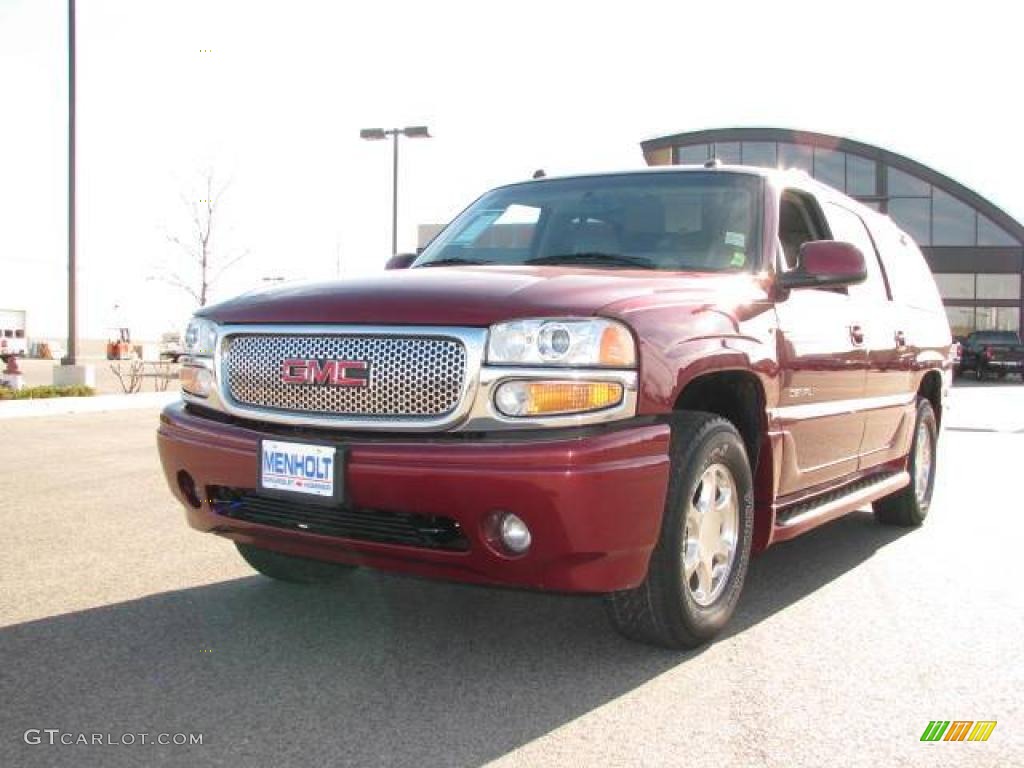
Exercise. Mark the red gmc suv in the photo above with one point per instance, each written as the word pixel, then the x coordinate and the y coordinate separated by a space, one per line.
pixel 621 384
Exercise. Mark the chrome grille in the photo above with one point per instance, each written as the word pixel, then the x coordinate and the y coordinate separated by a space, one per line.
pixel 409 376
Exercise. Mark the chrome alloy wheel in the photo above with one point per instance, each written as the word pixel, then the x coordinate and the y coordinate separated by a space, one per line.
pixel 923 453
pixel 710 534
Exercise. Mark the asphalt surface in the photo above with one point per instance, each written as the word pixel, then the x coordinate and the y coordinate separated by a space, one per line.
pixel 115 618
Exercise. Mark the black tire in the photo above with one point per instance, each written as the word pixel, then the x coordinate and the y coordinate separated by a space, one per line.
pixel 904 508
pixel 296 570
pixel 662 611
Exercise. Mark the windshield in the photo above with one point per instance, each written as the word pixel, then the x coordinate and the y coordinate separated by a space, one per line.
pixel 671 221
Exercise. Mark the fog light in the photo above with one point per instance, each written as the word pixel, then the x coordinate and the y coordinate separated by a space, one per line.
pixel 537 398
pixel 188 489
pixel 514 533
pixel 197 380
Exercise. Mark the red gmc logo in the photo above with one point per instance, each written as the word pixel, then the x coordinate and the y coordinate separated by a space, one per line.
pixel 340 373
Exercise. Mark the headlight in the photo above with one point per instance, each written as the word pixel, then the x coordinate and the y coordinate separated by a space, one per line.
pixel 200 338
pixel 595 343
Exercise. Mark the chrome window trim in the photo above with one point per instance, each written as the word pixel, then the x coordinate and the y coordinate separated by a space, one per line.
pixel 475 410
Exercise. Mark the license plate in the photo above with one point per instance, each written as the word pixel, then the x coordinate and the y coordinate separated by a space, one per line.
pixel 300 468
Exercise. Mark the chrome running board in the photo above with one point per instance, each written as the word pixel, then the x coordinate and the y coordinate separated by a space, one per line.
pixel 804 515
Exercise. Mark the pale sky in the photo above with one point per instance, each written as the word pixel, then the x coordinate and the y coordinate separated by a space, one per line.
pixel 277 104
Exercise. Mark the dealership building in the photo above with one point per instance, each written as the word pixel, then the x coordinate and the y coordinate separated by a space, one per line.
pixel 975 250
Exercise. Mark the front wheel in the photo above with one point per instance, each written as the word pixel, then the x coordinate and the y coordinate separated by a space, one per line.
pixel 909 506
pixel 699 564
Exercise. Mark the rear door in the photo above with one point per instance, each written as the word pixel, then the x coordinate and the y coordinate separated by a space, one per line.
pixel 823 363
pixel 888 391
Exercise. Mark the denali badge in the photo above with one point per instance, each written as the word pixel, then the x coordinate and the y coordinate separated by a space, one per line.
pixel 340 373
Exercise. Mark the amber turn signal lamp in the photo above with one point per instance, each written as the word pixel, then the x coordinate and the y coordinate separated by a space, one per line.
pixel 539 398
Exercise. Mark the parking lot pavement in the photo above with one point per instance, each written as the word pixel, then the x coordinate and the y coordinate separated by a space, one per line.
pixel 116 619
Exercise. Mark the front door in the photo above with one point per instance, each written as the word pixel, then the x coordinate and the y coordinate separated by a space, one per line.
pixel 823 364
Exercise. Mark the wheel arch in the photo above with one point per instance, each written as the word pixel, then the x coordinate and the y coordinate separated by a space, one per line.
pixel 931 390
pixel 738 396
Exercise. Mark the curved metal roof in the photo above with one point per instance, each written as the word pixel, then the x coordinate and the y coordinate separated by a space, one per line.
pixel 809 138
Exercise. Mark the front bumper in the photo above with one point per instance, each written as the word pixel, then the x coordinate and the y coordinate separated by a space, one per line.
pixel 593 503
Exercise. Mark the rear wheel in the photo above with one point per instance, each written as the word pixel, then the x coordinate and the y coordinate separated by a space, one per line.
pixel 297 570
pixel 909 506
pixel 700 562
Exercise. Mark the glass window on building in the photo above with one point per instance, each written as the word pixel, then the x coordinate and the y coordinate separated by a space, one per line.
pixel 760 153
pixel 728 152
pixel 695 154
pixel 989 233
pixel 796 156
pixel 997 319
pixel 999 286
pixel 913 214
pixel 952 221
pixel 904 185
pixel 830 167
pixel 860 176
pixel 953 286
pixel 961 320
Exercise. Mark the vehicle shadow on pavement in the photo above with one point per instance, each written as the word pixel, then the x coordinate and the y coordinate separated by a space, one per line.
pixel 383 670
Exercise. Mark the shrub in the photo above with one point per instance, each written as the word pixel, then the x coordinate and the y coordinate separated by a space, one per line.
pixel 34 393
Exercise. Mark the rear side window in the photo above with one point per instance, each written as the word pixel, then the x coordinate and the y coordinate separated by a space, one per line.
pixel 910 279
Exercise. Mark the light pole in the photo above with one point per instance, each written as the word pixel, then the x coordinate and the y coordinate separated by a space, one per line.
pixel 70 358
pixel 378 134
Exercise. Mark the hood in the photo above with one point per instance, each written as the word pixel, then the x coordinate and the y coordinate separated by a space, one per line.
pixel 470 296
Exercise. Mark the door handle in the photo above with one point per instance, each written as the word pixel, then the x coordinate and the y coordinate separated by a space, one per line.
pixel 857 334
pixel 901 339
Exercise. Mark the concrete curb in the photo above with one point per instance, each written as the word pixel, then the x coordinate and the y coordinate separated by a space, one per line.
pixel 59 406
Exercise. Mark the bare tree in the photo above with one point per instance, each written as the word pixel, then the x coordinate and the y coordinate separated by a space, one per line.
pixel 205 264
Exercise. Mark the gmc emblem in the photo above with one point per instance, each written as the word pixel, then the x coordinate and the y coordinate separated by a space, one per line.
pixel 339 373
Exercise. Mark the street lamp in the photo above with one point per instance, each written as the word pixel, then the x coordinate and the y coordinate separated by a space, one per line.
pixel 379 134
pixel 71 356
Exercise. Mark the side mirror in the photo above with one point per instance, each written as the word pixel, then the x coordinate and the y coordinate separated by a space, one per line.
pixel 826 262
pixel 401 261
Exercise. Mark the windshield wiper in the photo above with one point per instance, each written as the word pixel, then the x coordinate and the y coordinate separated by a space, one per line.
pixel 450 262
pixel 594 257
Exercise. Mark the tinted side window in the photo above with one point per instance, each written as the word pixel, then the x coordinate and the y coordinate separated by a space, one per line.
pixel 848 227
pixel 910 280
pixel 799 222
